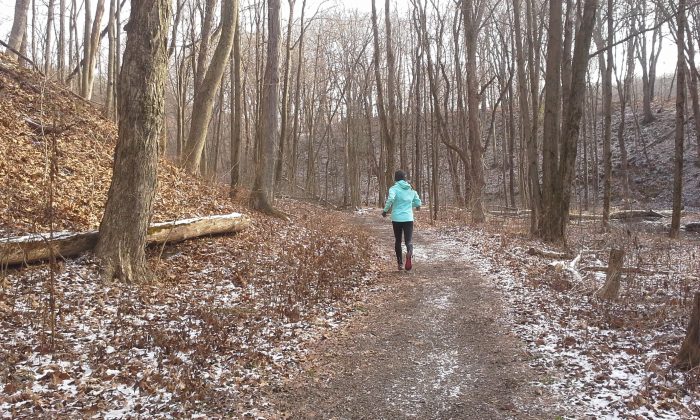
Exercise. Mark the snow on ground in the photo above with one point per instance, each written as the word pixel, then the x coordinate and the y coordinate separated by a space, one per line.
pixel 605 365
pixel 225 323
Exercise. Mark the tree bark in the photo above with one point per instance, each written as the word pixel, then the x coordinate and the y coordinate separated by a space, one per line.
pixel 526 125
pixel 694 88
pixel 61 45
pixel 121 246
pixel 205 95
pixel 49 35
pixel 680 121
pixel 607 120
pixel 611 288
pixel 19 26
pixel 112 70
pixel 472 14
pixel 285 98
pixel 391 96
pixel 572 115
pixel 387 140
pixel 297 102
pixel 261 196
pixel 237 109
pixel 689 355
pixel 91 42
pixel 552 124
pixel 560 148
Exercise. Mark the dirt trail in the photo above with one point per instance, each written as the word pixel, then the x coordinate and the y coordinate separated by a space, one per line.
pixel 432 346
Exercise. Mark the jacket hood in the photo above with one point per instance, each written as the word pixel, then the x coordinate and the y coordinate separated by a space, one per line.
pixel 404 185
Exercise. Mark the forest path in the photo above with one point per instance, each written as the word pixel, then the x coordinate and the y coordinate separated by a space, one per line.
pixel 431 346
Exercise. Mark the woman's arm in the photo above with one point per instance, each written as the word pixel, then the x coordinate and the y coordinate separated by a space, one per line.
pixel 416 200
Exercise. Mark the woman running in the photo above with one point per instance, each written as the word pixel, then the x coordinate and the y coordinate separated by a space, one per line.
pixel 401 201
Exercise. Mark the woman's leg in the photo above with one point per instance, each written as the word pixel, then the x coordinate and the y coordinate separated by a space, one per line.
pixel 398 230
pixel 408 235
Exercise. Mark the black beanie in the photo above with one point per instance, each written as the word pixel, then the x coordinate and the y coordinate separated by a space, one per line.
pixel 399 176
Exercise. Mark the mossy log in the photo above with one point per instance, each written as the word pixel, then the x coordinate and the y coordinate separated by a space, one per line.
pixel 38 247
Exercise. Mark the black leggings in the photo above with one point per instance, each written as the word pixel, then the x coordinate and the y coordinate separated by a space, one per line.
pixel 405 228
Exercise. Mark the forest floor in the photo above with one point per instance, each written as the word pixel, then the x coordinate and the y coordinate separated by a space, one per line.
pixel 433 345
pixel 484 329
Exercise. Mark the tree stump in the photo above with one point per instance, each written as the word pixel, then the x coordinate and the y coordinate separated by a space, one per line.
pixel 689 354
pixel 611 288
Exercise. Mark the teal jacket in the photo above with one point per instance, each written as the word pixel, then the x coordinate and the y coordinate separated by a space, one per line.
pixel 402 199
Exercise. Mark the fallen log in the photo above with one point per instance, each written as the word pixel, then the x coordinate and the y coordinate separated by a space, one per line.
pixel 38 247
pixel 692 227
pixel 625 270
pixel 523 213
pixel 548 254
pixel 636 215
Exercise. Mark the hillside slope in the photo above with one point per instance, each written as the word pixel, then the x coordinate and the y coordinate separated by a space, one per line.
pixel 224 317
pixel 85 148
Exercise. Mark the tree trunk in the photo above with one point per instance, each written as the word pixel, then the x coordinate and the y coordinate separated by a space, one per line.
pixel 552 124
pixel 204 43
pixel 611 288
pixel 297 102
pixel 526 125
pixel 694 88
pixel 572 116
pixel 381 109
pixel 237 109
pixel 19 26
pixel 121 246
pixel 112 71
pixel 261 196
pixel 689 355
pixel 472 15
pixel 624 93
pixel 49 35
pixel 91 45
pixel 61 44
pixel 680 122
pixel 642 56
pixel 391 95
pixel 205 95
pixel 560 148
pixel 607 120
pixel 285 98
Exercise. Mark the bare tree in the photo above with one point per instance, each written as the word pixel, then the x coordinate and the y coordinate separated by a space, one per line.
pixel 285 96
pixel 680 120
pixel 19 26
pixel 381 108
pixel 61 43
pixel 49 33
pixel 559 160
pixel 473 14
pixel 261 196
pixel 91 43
pixel 122 239
pixel 236 109
pixel 205 95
